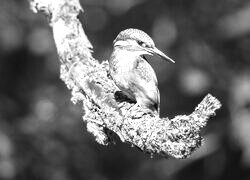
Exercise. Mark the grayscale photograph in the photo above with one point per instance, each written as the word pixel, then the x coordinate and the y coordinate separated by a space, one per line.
pixel 124 90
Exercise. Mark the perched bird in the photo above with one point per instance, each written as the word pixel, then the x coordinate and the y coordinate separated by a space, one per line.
pixel 130 70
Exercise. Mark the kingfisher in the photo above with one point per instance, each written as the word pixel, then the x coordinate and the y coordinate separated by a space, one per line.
pixel 130 69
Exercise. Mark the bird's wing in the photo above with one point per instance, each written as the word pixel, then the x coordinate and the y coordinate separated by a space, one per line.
pixel 148 81
pixel 145 71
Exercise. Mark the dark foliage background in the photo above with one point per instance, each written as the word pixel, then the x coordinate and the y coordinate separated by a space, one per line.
pixel 42 136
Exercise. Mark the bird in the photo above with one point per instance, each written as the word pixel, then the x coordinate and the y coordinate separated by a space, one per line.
pixel 130 69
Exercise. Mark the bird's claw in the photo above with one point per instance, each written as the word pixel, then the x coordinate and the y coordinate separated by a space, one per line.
pixel 136 111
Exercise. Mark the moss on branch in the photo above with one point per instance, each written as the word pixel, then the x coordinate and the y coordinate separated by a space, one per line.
pixel 91 86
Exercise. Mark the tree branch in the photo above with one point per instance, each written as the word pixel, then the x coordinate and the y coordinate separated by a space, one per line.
pixel 105 113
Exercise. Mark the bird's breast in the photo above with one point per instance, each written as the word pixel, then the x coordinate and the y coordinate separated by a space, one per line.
pixel 122 62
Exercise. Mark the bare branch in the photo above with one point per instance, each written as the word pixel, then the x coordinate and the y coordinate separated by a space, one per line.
pixel 91 85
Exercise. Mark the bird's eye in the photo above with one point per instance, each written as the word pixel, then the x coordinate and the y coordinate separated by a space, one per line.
pixel 141 43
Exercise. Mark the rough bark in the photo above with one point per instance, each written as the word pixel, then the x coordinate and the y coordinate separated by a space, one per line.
pixel 105 113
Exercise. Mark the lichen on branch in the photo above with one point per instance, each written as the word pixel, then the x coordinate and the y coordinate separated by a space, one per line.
pixel 104 112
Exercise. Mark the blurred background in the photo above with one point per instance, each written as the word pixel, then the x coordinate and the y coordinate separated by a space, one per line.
pixel 42 136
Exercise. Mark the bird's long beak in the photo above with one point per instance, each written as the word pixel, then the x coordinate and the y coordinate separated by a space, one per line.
pixel 161 54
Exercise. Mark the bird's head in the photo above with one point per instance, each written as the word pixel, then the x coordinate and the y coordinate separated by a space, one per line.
pixel 137 41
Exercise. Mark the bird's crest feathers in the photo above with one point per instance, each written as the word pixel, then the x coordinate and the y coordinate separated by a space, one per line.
pixel 140 36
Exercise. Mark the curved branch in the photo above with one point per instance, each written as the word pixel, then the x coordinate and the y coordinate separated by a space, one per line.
pixel 92 86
